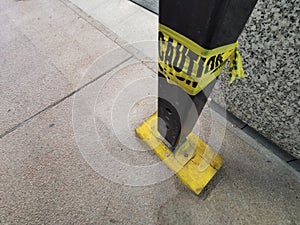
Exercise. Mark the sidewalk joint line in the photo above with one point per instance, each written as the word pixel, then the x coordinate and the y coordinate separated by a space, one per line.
pixel 62 99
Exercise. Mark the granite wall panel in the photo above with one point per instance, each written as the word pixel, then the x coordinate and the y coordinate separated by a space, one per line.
pixel 269 98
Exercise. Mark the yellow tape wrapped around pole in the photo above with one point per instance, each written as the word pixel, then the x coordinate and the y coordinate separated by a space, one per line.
pixel 192 67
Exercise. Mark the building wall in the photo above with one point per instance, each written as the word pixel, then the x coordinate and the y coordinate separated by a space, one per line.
pixel 269 98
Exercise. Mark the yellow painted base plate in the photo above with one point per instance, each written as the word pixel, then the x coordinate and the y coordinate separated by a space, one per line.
pixel 194 162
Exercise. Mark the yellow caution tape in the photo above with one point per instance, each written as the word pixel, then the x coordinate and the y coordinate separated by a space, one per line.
pixel 188 65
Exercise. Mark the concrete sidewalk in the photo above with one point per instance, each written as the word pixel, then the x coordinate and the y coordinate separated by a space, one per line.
pixel 66 84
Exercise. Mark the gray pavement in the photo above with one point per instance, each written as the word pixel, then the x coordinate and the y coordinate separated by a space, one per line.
pixel 66 120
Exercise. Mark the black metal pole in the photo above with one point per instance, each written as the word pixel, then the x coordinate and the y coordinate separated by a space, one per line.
pixel 210 24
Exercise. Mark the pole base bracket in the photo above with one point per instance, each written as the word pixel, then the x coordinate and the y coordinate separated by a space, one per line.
pixel 194 162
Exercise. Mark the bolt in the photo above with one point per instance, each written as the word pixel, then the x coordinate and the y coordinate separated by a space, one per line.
pixel 186 155
pixel 167 155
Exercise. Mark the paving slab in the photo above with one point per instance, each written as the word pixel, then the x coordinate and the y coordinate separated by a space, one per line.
pixel 47 176
pixel 5 4
pixel 79 162
pixel 127 20
pixel 251 188
pixel 46 49
pixel 28 83
pixel 70 42
pixel 45 179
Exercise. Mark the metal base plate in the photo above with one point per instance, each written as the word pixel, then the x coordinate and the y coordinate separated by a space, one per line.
pixel 194 162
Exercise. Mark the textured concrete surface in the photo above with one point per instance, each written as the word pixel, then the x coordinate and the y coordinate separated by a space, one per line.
pixel 268 100
pixel 45 50
pixel 127 20
pixel 78 161
pixel 45 179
